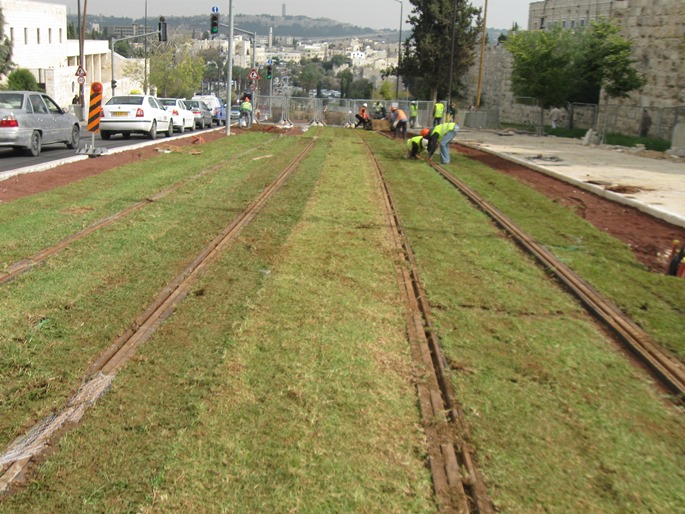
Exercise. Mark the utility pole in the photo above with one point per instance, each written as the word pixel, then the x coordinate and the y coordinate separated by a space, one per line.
pixel 482 54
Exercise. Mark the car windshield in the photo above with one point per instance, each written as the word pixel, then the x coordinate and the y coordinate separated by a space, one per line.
pixel 167 101
pixel 125 100
pixel 11 100
pixel 191 103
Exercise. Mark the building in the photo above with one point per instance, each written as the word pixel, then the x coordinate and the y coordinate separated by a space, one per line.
pixel 567 14
pixel 38 32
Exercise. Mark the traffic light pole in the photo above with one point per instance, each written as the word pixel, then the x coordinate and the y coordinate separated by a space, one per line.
pixel 162 37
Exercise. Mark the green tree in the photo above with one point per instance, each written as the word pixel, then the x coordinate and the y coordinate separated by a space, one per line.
pixel 605 61
pixel 174 70
pixel 425 62
pixel 543 66
pixel 22 79
pixel 346 78
pixel 310 76
pixel 361 88
pixel 72 31
pixel 6 63
pixel 386 91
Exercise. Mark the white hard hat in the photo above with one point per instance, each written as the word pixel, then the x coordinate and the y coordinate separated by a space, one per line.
pixel 364 105
pixel 424 142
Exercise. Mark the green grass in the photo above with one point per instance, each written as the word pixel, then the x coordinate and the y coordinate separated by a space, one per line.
pixel 562 422
pixel 651 143
pixel 283 382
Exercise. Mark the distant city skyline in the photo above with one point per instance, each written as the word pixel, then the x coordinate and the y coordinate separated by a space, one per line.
pixel 377 14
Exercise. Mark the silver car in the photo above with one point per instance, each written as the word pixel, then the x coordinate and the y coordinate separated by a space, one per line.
pixel 30 119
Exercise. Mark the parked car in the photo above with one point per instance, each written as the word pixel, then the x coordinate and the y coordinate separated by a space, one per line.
pixel 203 116
pixel 215 105
pixel 128 114
pixel 29 120
pixel 181 117
pixel 235 113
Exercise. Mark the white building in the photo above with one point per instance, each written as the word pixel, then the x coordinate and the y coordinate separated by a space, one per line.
pixel 38 32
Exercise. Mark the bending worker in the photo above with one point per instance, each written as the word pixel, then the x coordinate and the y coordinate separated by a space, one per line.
pixel 399 122
pixel 441 135
pixel 416 145
pixel 362 116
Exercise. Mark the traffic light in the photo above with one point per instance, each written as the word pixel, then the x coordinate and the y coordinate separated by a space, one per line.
pixel 214 23
pixel 114 85
pixel 162 28
pixel 268 72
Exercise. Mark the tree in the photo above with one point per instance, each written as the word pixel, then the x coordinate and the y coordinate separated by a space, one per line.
pixel 174 71
pixel 386 91
pixel 426 58
pixel 605 62
pixel 346 79
pixel 361 88
pixel 6 63
pixel 22 79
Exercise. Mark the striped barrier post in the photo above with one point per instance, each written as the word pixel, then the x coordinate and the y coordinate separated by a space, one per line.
pixel 94 113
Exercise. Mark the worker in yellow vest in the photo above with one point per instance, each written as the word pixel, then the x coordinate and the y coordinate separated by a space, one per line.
pixel 438 113
pixel 441 135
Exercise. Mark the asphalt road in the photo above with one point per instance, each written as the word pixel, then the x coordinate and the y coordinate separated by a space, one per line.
pixel 11 160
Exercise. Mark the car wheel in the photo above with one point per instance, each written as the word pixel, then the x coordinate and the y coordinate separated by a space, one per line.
pixel 105 135
pixel 75 138
pixel 192 127
pixel 34 148
pixel 153 131
pixel 170 129
pixel 126 135
pixel 182 128
pixel 202 125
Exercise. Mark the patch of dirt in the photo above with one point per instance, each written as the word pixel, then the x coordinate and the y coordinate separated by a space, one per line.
pixel 649 238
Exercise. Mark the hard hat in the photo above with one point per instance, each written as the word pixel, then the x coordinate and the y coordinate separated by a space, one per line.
pixel 425 132
pixel 413 101
pixel 364 105
pixel 393 108
pixel 424 143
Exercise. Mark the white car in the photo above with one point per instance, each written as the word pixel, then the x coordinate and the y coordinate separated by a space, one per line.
pixel 182 118
pixel 128 114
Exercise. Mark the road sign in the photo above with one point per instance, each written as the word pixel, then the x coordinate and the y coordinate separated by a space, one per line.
pixel 270 62
pixel 253 86
pixel 253 75
pixel 81 80
pixel 80 72
pixel 215 9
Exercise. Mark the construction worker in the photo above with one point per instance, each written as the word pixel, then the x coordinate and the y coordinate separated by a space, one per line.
pixel 246 113
pixel 413 113
pixel 438 113
pixel 417 144
pixel 441 135
pixel 398 122
pixel 362 116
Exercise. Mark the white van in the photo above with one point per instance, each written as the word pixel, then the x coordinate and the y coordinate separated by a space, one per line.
pixel 215 105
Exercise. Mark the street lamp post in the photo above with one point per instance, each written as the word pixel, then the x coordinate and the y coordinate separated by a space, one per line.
pixel 399 51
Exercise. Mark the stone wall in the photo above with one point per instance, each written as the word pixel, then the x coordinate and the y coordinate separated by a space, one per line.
pixel 657 30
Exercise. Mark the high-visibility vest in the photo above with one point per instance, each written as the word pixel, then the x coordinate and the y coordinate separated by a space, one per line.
pixel 399 115
pixel 443 129
pixel 414 110
pixel 438 110
pixel 246 107
pixel 363 112
pixel 414 140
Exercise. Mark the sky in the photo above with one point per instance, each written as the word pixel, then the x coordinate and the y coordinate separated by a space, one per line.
pixel 377 14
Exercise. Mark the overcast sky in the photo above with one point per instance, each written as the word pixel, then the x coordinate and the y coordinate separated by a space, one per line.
pixel 377 14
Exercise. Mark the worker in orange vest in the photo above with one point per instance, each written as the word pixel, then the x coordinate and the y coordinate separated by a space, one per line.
pixel 398 122
pixel 362 116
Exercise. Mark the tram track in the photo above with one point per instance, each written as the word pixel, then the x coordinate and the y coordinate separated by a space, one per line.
pixel 18 458
pixel 665 368
pixel 14 270
pixel 457 482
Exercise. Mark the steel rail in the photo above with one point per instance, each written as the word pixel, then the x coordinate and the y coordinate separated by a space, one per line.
pixel 458 485
pixel 24 265
pixel 666 368
pixel 113 358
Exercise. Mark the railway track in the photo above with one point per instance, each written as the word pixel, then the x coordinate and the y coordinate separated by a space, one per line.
pixel 17 459
pixel 665 368
pixel 457 483
pixel 24 265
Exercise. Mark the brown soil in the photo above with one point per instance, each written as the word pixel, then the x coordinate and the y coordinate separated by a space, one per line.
pixel 649 238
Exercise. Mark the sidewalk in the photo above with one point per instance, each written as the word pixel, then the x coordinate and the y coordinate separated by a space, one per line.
pixel 655 186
